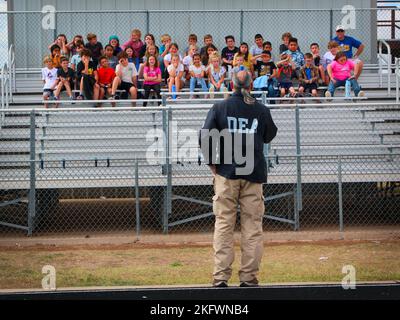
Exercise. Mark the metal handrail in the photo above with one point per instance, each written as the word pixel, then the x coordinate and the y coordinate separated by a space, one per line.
pixel 5 94
pixel 336 105
pixel 12 70
pixel 388 61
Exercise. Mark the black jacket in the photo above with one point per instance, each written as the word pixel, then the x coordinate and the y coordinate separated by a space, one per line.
pixel 240 121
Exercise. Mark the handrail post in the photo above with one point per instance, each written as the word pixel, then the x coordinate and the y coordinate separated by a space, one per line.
pixel 340 193
pixel 380 63
pixel 32 166
pixel 397 75
pixel 389 64
pixel 10 71
pixel 298 170
pixel 137 199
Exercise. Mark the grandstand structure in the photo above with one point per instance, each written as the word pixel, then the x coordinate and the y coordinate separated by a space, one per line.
pixel 326 157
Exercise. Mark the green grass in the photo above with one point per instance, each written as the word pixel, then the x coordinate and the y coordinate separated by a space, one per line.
pixel 141 266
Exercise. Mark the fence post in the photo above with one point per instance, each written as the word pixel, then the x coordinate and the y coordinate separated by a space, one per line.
pixel 340 194
pixel 147 21
pixel 137 199
pixel 397 76
pixel 55 25
pixel 32 166
pixel 298 171
pixel 241 25
pixel 331 24
pixel 165 166
pixel 169 172
pixel 264 98
pixel 167 115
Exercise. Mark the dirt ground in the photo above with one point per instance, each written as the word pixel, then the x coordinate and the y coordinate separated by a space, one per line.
pixel 189 239
pixel 152 264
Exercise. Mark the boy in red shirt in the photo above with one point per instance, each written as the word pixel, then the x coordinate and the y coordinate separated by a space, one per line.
pixel 105 78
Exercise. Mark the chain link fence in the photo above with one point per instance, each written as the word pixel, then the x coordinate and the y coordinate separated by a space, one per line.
pixel 139 170
pixel 32 32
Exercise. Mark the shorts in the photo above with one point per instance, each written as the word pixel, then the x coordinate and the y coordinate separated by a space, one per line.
pixel 48 92
pixel 126 86
pixel 285 85
pixel 71 85
pixel 309 86
pixel 356 61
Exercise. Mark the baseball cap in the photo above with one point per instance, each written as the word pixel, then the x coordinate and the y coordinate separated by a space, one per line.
pixel 340 27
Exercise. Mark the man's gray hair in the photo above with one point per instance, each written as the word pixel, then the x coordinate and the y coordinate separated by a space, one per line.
pixel 242 83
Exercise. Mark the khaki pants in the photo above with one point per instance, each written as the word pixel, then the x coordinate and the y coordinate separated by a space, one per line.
pixel 228 195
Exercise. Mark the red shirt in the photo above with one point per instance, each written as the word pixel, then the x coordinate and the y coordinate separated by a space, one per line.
pixel 106 75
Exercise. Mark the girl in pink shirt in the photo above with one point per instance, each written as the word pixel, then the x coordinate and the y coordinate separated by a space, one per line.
pixel 340 71
pixel 152 78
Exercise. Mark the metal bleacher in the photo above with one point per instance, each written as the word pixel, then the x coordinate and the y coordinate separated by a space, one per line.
pixel 369 127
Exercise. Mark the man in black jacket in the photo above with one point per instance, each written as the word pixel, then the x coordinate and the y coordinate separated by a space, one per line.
pixel 232 142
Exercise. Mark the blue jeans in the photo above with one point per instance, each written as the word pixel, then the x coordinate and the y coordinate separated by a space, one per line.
pixel 341 83
pixel 195 81
pixel 272 84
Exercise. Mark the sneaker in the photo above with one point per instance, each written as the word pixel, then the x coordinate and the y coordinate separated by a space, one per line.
pixel 361 94
pixel 211 93
pixel 80 97
pixel 248 284
pixel 72 99
pixel 328 95
pixel 220 284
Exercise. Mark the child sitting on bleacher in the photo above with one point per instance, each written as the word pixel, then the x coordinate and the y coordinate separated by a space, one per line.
pixel 309 75
pixel 216 76
pixel 95 47
pixel 151 50
pixel 188 60
pixel 285 75
pixel 152 78
pixel 327 59
pixel 173 50
pixel 339 72
pixel 175 74
pixel 197 73
pixel 105 78
pixel 126 77
pixel 114 42
pixel 50 80
pixel 76 58
pixel 239 64
pixel 56 55
pixel 86 76
pixel 109 54
pixel 66 78
pixel 266 67
pixel 296 56
pixel 74 44
pixel 247 57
